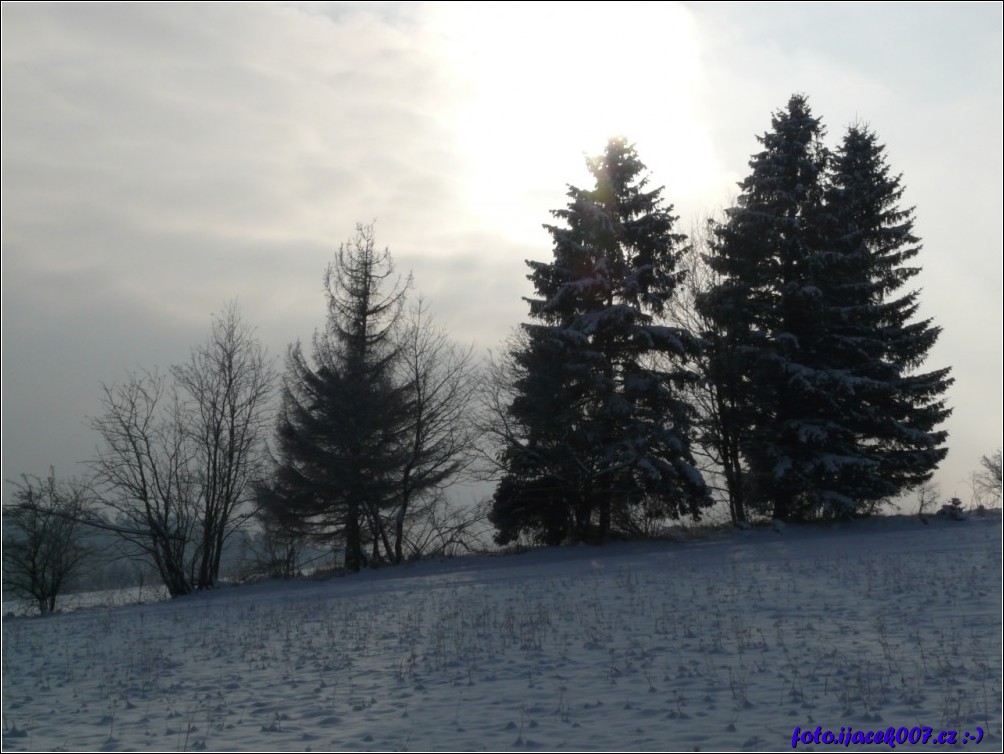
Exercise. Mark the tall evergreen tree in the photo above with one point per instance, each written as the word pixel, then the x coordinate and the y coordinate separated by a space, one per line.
pixel 765 307
pixel 818 358
pixel 601 427
pixel 897 409
pixel 338 436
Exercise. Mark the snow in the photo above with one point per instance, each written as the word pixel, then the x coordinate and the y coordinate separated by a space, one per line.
pixel 722 641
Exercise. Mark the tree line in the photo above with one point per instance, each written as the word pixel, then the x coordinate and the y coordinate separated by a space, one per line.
pixel 772 360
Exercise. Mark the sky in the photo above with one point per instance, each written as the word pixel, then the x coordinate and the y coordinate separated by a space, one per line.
pixel 160 160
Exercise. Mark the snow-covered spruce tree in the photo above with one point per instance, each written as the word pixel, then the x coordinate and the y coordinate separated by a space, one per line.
pixel 767 311
pixel 819 356
pixel 339 435
pixel 893 408
pixel 599 428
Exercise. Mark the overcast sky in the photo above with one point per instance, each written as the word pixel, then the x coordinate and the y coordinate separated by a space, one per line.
pixel 162 159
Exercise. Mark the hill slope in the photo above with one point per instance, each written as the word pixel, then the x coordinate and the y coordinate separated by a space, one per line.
pixel 729 641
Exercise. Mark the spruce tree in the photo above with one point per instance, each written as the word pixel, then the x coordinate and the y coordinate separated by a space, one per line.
pixel 765 308
pixel 602 426
pixel 896 407
pixel 817 354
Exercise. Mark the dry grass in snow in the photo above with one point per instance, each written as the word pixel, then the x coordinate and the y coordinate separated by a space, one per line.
pixel 725 642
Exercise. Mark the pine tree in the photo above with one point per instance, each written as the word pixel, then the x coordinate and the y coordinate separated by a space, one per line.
pixel 339 431
pixel 601 426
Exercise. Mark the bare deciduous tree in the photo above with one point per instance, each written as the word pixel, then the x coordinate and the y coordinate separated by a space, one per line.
pixel 442 528
pixel 987 481
pixel 278 549
pixel 720 428
pixel 227 383
pixel 177 460
pixel 439 435
pixel 496 428
pixel 927 496
pixel 42 547
pixel 144 470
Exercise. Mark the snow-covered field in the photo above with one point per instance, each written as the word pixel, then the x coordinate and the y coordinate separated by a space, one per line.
pixel 728 641
pixel 66 603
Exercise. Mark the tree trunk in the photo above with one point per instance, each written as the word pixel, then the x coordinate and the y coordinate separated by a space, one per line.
pixel 604 532
pixel 782 505
pixel 734 480
pixel 353 544
pixel 399 537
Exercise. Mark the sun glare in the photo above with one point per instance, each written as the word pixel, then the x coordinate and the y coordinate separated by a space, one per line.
pixel 545 84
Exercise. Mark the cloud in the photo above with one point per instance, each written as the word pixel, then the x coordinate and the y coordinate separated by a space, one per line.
pixel 160 159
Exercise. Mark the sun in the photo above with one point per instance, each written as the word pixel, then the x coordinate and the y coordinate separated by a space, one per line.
pixel 545 84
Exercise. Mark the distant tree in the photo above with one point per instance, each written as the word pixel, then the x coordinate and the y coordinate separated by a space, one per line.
pixel 987 481
pixel 927 495
pixel 444 527
pixel 178 458
pixel 278 548
pixel 594 423
pixel 43 549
